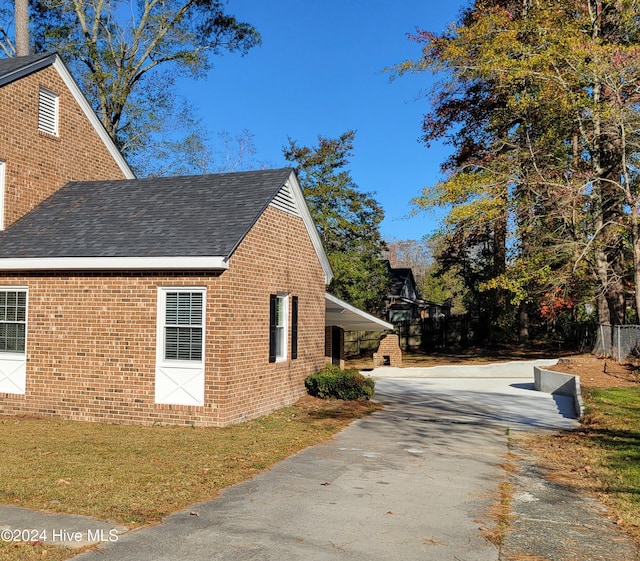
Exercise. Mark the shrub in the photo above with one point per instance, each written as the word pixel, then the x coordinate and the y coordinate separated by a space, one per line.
pixel 334 382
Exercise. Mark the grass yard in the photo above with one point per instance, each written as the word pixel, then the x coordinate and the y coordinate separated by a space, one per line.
pixel 136 475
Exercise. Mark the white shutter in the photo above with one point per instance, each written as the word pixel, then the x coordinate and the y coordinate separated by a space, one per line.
pixel 48 112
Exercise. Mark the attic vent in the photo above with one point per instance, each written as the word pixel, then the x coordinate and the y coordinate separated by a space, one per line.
pixel 48 112
pixel 284 201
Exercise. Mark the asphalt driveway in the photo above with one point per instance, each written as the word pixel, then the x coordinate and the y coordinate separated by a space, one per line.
pixel 414 481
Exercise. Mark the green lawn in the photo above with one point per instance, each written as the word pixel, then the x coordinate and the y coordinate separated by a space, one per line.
pixel 613 430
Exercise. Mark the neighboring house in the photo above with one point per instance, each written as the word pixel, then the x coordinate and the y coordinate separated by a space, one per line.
pixel 403 302
pixel 184 300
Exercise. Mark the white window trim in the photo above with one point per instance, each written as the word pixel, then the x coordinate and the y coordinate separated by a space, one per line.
pixel 283 330
pixel 45 94
pixel 179 382
pixel 162 309
pixel 3 173
pixel 13 366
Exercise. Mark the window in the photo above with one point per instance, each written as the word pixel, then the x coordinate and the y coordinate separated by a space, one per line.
pixel 278 314
pixel 180 354
pixel 13 321
pixel 48 105
pixel 183 325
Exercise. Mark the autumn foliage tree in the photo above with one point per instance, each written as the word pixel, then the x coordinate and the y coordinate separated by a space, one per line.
pixel 539 102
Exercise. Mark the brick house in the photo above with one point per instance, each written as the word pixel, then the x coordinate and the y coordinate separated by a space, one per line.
pixel 184 300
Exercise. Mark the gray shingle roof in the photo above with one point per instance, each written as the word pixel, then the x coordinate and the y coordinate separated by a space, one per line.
pixel 204 215
pixel 16 67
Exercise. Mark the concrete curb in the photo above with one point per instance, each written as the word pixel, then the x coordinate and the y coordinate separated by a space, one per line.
pixel 557 383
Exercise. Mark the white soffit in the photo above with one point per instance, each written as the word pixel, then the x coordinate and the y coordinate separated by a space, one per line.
pixel 350 318
pixel 112 263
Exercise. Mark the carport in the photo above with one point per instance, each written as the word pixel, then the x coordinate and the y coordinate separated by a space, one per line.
pixel 341 317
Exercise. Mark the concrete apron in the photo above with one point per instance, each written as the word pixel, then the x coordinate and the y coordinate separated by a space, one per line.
pixel 512 369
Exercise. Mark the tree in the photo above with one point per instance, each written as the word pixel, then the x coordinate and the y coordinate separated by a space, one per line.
pixel 7 18
pixel 348 220
pixel 126 57
pixel 21 11
pixel 539 101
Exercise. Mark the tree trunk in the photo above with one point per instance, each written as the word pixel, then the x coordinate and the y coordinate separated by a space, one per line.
pixel 635 239
pixel 21 13
pixel 523 324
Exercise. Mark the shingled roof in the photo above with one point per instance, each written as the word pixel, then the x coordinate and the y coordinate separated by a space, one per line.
pixel 132 222
pixel 17 67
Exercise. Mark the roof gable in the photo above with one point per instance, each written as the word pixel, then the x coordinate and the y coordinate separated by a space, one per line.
pixel 15 68
pixel 400 280
pixel 152 222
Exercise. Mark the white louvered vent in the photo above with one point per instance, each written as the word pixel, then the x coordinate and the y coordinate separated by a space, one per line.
pixel 48 112
pixel 284 201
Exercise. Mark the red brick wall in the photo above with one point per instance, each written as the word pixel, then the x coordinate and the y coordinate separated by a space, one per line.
pixel 91 337
pixel 38 164
pixel 269 264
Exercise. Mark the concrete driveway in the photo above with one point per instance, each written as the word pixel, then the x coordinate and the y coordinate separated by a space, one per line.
pixel 414 481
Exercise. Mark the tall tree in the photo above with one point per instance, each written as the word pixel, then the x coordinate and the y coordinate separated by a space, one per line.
pixel 348 220
pixel 7 20
pixel 21 11
pixel 539 102
pixel 126 57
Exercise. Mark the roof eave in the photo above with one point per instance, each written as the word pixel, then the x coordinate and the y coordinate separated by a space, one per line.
pixel 25 70
pixel 310 225
pixel 112 263
pixel 350 318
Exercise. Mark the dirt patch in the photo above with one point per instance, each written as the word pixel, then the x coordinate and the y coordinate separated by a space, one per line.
pixel 599 372
pixel 554 521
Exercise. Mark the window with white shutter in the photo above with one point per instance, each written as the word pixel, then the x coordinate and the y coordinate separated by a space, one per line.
pixel 13 340
pixel 180 355
pixel 48 107
pixel 13 321
pixel 183 326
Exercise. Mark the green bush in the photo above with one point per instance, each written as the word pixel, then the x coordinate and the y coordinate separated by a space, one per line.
pixel 332 382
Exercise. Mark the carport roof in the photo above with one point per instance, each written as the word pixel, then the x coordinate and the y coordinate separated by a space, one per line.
pixel 350 318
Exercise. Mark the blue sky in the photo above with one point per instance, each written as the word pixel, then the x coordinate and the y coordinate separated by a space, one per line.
pixel 319 71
